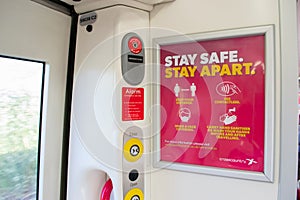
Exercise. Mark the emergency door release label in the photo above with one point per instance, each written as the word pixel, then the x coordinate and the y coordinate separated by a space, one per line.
pixel 132 104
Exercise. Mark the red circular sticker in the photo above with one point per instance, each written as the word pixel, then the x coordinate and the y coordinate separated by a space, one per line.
pixel 135 45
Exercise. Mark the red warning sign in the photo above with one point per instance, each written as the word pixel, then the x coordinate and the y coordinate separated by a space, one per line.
pixel 132 104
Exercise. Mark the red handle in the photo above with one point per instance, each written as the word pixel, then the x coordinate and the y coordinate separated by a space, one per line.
pixel 106 190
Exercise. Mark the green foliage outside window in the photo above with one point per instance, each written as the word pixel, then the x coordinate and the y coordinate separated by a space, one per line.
pixel 18 145
pixel 20 102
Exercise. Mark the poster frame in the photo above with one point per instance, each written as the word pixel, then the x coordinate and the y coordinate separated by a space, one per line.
pixel 268 172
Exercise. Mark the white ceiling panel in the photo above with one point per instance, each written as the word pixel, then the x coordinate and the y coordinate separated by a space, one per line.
pixel 76 2
pixel 83 6
pixel 71 2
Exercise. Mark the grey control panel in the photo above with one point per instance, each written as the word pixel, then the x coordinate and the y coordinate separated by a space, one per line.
pixel 133 164
pixel 133 59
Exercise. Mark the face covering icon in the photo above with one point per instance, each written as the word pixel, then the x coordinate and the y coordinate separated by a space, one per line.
pixel 184 114
pixel 228 118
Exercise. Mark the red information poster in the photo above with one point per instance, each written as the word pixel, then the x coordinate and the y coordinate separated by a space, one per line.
pixel 132 104
pixel 212 97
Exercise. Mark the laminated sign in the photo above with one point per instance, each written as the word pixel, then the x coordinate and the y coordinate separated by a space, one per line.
pixel 213 102
pixel 132 104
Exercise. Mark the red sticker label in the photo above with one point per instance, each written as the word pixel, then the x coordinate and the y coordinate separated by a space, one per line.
pixel 132 104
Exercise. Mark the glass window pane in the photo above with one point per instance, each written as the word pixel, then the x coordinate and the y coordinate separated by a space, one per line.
pixel 21 86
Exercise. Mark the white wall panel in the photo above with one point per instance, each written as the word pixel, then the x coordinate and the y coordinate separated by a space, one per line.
pixel 198 16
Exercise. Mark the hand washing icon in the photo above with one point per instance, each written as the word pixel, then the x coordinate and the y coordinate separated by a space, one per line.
pixel 228 118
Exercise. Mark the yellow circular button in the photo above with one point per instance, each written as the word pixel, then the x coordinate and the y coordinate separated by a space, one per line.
pixel 134 194
pixel 133 149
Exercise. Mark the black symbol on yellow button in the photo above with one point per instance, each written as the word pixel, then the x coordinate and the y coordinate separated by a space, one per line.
pixel 135 197
pixel 134 194
pixel 133 149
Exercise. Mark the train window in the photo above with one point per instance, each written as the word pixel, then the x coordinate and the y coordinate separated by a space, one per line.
pixel 21 94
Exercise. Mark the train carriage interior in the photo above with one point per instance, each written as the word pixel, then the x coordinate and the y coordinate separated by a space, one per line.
pixel 149 99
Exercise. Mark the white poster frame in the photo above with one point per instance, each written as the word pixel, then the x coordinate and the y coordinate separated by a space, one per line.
pixel 268 173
